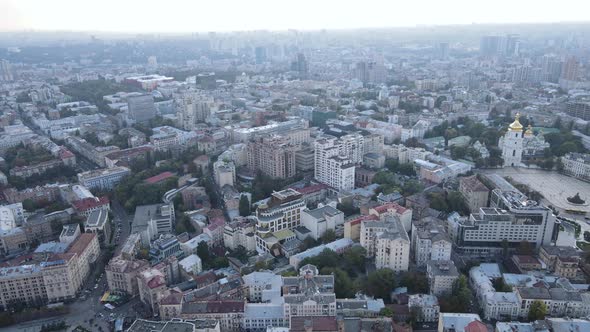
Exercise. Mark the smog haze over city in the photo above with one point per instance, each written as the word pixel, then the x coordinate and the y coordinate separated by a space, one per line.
pixel 275 166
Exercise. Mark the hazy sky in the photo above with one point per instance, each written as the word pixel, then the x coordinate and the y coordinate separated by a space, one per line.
pixel 226 15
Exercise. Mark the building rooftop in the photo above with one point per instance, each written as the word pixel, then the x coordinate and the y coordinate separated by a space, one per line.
pixel 323 211
pixel 81 243
pixel 52 247
pixel 97 219
pixel 160 177
pixel 442 268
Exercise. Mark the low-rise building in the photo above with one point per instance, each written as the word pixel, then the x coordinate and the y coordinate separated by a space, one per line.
pixel 263 286
pixel 309 294
pixel 474 192
pixel 562 261
pixel 430 241
pixel 388 242
pixel 103 179
pixel 98 222
pixel 441 276
pixel 424 306
pixel 122 275
pixel 240 232
pixel 576 165
pixel 320 220
pixel 191 265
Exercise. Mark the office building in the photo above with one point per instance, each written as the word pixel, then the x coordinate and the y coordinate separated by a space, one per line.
pixel 277 217
pixel 141 109
pixel 151 220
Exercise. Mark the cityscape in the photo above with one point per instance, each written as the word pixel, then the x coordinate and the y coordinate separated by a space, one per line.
pixel 394 179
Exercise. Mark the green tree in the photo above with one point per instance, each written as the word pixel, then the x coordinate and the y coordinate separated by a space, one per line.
pixel 415 282
pixel 380 283
pixel 244 206
pixel 203 252
pixel 537 311
pixel 386 312
pixel 438 202
pixel 355 257
pixel 343 285
pixel 329 236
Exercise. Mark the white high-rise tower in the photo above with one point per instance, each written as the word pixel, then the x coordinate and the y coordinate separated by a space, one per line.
pixel 512 144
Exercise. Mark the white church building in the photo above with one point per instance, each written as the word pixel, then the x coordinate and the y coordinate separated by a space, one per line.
pixel 518 145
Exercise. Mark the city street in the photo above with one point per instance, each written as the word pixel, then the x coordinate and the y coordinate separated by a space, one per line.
pixel 123 220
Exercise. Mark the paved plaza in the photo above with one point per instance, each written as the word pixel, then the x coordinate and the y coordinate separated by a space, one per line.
pixel 553 186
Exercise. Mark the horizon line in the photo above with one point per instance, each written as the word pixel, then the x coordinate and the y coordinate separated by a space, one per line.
pixel 393 27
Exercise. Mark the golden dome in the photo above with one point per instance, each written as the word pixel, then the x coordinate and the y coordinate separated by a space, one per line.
pixel 529 131
pixel 515 126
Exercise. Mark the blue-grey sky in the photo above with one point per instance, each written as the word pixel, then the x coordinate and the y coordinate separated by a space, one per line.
pixel 230 15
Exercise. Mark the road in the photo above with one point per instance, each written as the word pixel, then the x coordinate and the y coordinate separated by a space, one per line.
pixel 122 221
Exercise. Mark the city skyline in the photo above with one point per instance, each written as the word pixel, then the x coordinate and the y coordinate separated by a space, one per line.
pixel 181 17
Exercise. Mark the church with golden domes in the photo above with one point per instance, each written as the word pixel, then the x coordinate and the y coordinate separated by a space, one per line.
pixel 512 144
pixel 518 144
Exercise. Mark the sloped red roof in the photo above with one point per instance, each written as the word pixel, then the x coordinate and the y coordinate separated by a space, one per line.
pixel 476 326
pixel 160 177
pixel 90 203
pixel 385 207
pixel 156 281
pixel 311 189
pixel 361 218
pixel 81 243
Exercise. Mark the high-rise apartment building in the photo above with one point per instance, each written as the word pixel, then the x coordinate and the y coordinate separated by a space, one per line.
pixel 273 156
pixel 570 69
pixel 192 108
pixel 335 159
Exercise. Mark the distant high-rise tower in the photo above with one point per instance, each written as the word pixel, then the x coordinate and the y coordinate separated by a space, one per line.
pixel 569 70
pixel 5 71
pixel 152 61
pixel 512 144
pixel 443 51
pixel 260 54
pixel 300 66
pixel 499 45
pixel 141 108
